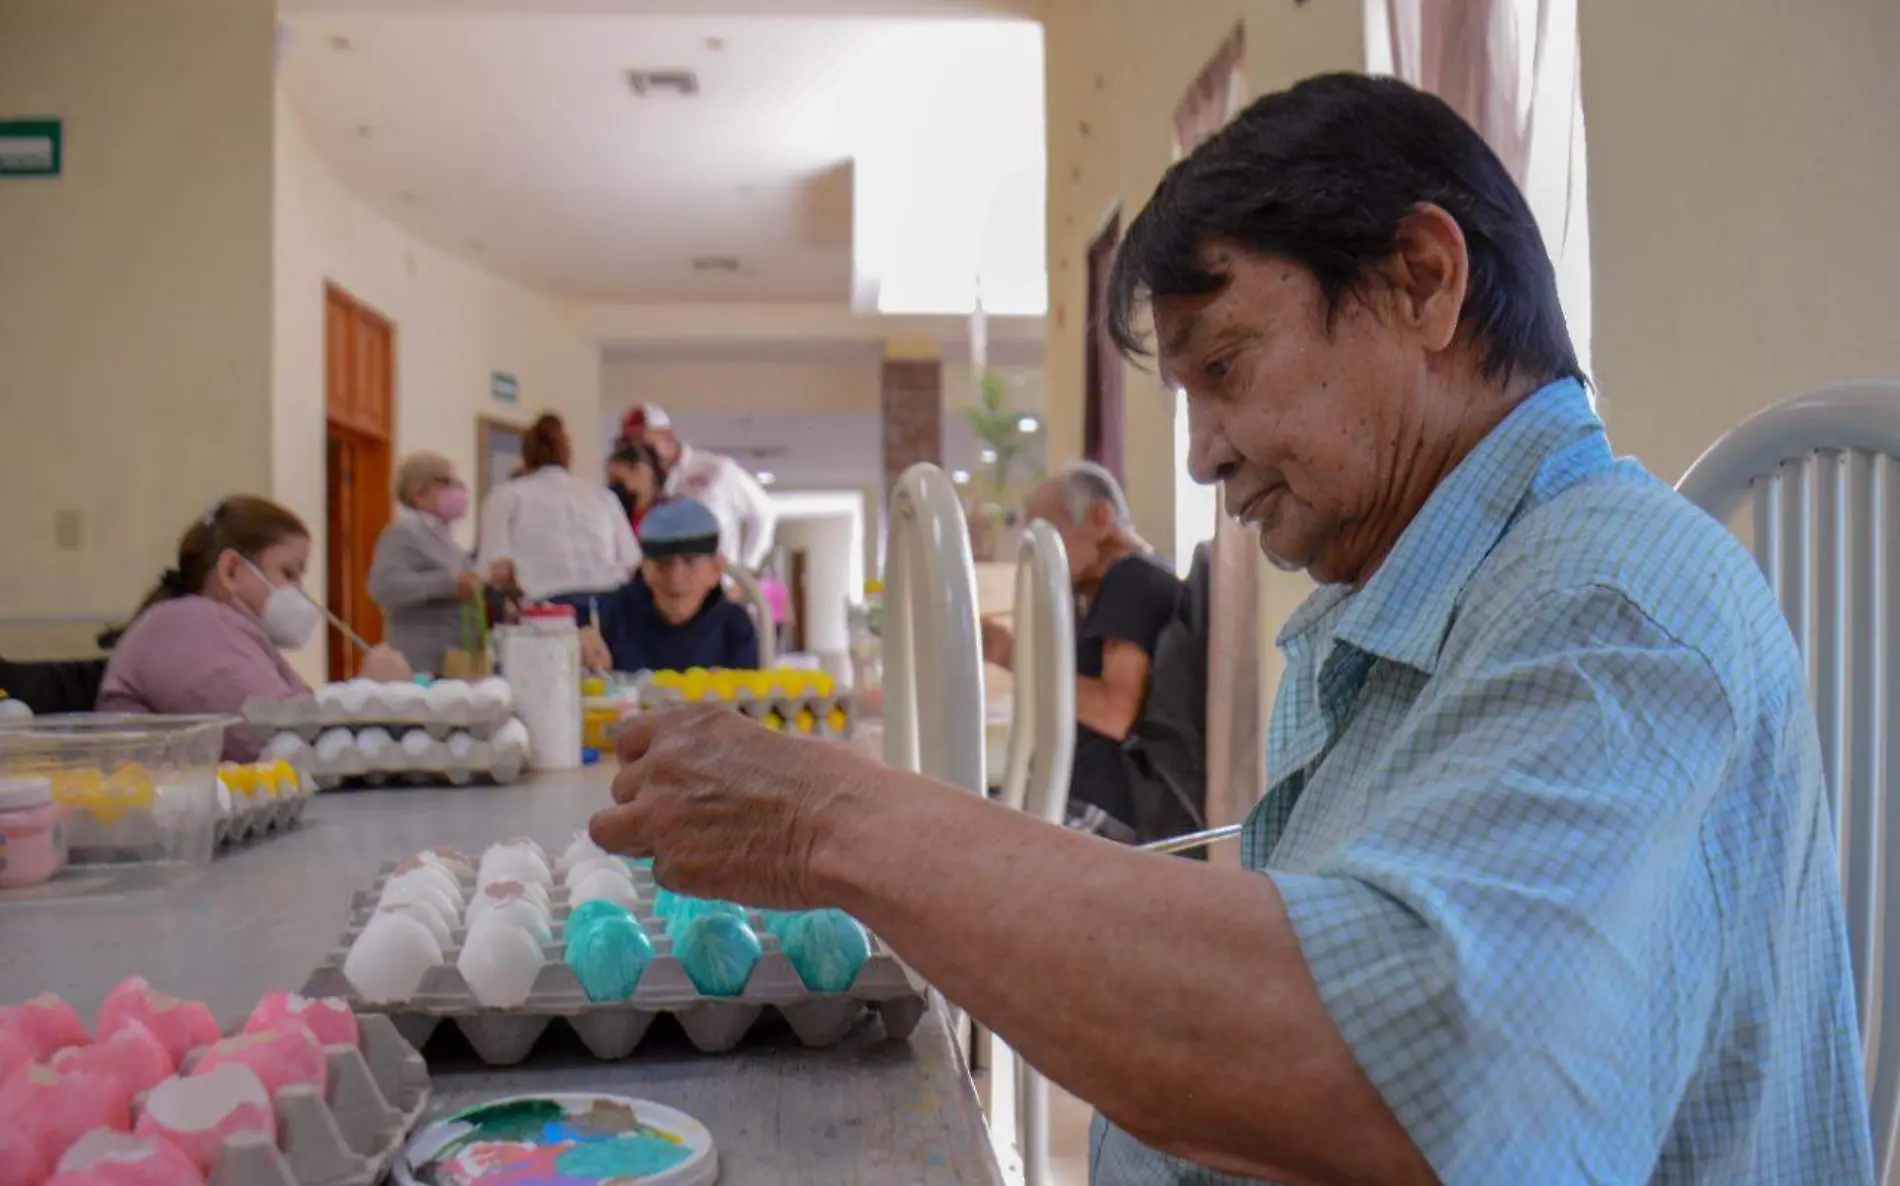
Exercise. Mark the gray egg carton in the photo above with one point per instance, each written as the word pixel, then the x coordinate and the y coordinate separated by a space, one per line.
pixel 254 816
pixel 347 1135
pixel 484 763
pixel 614 1029
pixel 307 717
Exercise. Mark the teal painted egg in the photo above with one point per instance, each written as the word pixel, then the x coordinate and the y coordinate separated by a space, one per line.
pixel 718 953
pixel 775 921
pixel 827 948
pixel 685 910
pixel 590 911
pixel 609 954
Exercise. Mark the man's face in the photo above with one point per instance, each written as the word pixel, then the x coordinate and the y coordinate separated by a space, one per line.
pixel 681 583
pixel 666 443
pixel 1306 429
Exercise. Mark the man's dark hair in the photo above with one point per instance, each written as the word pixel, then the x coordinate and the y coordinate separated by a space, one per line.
pixel 1322 175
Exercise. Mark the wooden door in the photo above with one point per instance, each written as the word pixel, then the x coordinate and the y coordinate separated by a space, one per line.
pixel 799 573
pixel 359 382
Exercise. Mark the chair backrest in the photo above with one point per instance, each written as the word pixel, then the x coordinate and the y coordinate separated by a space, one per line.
pixel 1821 476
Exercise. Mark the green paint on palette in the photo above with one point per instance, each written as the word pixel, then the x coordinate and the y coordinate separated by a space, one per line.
pixel 514 1120
pixel 636 1156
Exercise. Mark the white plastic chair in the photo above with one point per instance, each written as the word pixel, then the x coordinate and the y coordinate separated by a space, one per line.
pixel 761 611
pixel 932 649
pixel 1036 780
pixel 1821 473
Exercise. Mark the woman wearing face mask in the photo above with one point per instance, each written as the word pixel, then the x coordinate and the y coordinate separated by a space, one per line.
pixel 207 638
pixel 420 576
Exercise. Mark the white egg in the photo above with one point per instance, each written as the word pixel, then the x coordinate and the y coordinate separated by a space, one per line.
pixel 523 912
pixel 511 739
pixel 417 869
pixel 333 745
pixel 425 914
pixel 402 701
pixel 453 859
pixel 582 848
pixel 490 697
pixel 387 962
pixel 611 864
pixel 500 890
pixel 285 746
pixel 513 864
pixel 415 889
pixel 225 806
pixel 421 751
pixel 352 698
pixel 378 748
pixel 604 885
pixel 328 693
pixel 527 842
pixel 500 961
pixel 467 752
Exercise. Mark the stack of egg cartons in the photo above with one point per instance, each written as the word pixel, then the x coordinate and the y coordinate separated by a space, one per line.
pixel 258 798
pixel 782 698
pixel 377 733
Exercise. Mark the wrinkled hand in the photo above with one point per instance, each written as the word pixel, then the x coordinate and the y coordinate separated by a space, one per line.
pixel 726 807
pixel 468 585
pixel 386 666
pixel 501 574
pixel 595 654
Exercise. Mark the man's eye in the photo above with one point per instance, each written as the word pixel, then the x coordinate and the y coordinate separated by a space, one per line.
pixel 1217 368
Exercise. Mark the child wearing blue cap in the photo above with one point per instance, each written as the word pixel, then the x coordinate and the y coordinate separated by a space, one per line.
pixel 673 615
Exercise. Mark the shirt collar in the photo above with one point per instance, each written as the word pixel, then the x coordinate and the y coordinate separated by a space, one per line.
pixel 1404 612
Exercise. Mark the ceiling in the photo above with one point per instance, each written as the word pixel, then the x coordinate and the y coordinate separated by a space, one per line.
pixel 515 139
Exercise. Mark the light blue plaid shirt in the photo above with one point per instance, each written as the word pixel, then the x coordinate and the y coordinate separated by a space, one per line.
pixel 1548 815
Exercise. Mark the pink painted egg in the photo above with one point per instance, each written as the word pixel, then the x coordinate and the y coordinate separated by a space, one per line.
pixel 182 1026
pixel 328 1018
pixel 200 1113
pixel 78 1178
pixel 280 1058
pixel 121 1159
pixel 52 1106
pixel 17 1050
pixel 48 1023
pixel 133 1054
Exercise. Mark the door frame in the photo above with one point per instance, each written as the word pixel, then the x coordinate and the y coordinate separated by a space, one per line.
pixel 365 430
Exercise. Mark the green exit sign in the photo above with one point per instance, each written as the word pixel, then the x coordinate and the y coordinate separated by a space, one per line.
pixel 31 147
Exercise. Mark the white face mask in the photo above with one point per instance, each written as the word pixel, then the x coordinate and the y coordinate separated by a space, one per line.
pixel 289 618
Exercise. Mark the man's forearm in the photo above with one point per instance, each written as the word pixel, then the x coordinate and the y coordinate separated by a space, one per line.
pixel 1098 706
pixel 1171 995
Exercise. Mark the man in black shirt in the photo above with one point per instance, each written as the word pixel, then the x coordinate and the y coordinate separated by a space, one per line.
pixel 1124 596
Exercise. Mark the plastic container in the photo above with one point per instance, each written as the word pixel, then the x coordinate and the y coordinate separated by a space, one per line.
pixel 135 789
pixel 32 833
pixel 541 660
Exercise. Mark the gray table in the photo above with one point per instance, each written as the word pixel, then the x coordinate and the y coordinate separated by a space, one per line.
pixel 867 1112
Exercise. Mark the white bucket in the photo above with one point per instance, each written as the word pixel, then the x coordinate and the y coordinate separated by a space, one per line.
pixel 541 660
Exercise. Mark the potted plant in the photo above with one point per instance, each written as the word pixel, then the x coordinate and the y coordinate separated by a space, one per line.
pixel 1007 446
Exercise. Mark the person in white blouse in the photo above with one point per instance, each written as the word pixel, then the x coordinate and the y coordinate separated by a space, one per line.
pixel 745 512
pixel 553 535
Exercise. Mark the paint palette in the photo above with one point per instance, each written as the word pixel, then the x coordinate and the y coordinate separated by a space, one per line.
pixel 504 1036
pixel 561 1140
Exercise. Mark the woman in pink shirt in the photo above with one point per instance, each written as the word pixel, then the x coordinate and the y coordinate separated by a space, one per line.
pixel 207 638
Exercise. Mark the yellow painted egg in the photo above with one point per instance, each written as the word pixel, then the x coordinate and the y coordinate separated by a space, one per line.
pixel 774 721
pixel 805 722
pixel 835 720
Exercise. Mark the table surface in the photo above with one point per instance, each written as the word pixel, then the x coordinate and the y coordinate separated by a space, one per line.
pixel 263 915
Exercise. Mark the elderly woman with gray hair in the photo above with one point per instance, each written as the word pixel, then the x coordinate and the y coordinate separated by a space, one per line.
pixel 420 576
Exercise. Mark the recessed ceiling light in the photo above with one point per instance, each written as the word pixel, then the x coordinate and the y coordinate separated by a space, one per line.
pixel 341 44
pixel 683 83
pixel 960 476
pixel 1027 424
pixel 767 477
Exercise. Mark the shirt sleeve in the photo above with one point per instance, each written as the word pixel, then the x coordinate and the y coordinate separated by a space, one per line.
pixel 757 516
pixel 1135 602
pixel 402 574
pixel 627 553
pixel 494 542
pixel 1522 946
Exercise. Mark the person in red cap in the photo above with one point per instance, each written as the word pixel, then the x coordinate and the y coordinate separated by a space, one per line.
pixel 744 510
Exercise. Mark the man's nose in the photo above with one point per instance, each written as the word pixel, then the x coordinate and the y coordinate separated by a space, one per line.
pixel 1211 457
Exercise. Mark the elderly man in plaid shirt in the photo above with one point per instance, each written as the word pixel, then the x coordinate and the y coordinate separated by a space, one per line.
pixel 1542 889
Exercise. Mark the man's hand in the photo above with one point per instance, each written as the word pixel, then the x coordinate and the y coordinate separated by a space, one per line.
pixel 468 585
pixel 727 809
pixel 386 666
pixel 999 644
pixel 501 574
pixel 595 655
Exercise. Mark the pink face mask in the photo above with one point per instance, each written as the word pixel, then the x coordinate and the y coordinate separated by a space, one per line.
pixel 452 503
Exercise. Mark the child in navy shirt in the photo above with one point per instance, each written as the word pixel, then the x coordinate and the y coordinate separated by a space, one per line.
pixel 674 614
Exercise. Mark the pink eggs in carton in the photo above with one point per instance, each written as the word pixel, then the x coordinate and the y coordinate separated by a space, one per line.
pixel 52 1107
pixel 21 1162
pixel 48 1023
pixel 329 1019
pixel 280 1058
pixel 182 1026
pixel 17 1051
pixel 200 1113
pixel 122 1159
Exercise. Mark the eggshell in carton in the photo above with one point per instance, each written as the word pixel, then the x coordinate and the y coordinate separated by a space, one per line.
pixel 613 1030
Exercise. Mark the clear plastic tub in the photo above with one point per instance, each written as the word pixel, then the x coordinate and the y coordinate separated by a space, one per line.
pixel 136 789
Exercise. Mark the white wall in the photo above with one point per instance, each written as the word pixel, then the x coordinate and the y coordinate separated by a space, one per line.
pixel 830 528
pixel 456 323
pixel 1743 167
pixel 135 288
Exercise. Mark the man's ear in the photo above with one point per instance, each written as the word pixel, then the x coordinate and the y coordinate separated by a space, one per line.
pixel 1430 272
